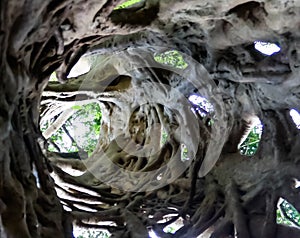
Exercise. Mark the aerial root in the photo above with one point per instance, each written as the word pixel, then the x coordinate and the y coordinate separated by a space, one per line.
pixel 270 226
pixel 224 229
pixel 236 209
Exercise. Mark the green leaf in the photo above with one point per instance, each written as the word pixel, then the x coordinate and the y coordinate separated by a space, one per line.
pixel 126 4
pixel 172 58
pixel 76 107
pixel 250 145
pixel 89 116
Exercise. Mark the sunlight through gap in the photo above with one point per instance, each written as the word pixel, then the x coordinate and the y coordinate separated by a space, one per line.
pixel 203 103
pixel 152 234
pixel 296 117
pixel 81 67
pixel 266 48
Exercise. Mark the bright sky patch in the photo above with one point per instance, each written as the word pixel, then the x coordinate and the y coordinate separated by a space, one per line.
pixel 81 67
pixel 202 103
pixel 296 117
pixel 266 48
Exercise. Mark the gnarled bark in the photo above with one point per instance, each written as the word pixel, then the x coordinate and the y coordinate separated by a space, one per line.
pixel 133 182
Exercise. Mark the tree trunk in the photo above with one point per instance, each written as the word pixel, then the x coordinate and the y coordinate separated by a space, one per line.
pixel 134 181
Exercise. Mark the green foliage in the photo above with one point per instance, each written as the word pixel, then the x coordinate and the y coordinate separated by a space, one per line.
pixel 164 137
pixel 184 153
pixel 171 58
pixel 53 77
pixel 90 116
pixel 77 107
pixel 210 122
pixel 250 145
pixel 58 139
pixel 83 127
pixel 127 4
pixel 287 214
pixel 170 229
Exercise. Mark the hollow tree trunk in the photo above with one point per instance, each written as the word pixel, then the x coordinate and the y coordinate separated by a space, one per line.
pixel 29 204
pixel 225 193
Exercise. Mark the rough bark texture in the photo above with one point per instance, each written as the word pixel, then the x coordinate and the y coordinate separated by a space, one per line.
pixel 218 189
